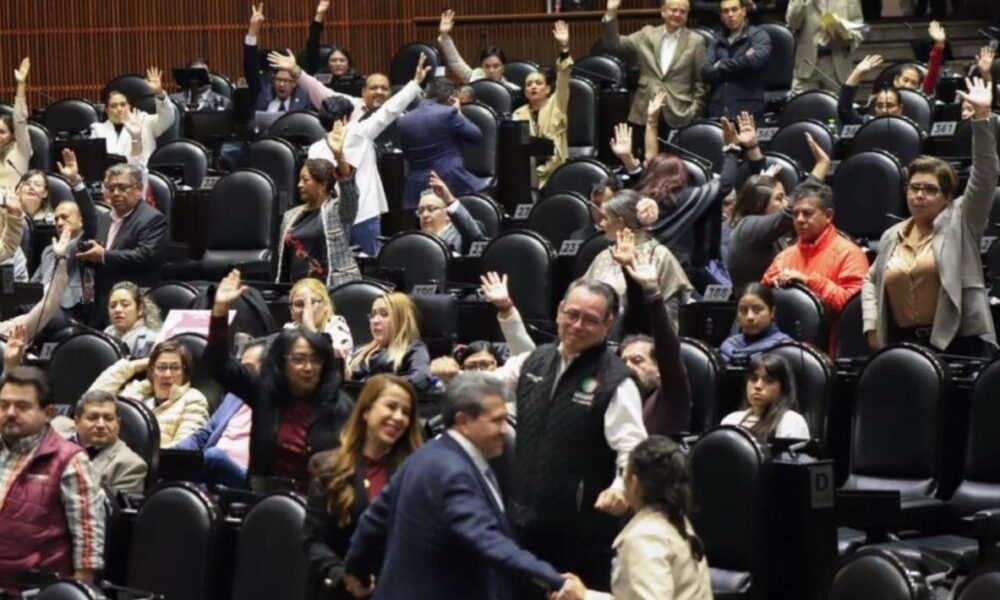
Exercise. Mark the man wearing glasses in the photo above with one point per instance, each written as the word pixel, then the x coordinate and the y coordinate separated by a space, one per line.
pixel 283 95
pixel 130 240
pixel 579 415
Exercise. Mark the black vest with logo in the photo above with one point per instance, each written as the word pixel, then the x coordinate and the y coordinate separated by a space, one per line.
pixel 562 460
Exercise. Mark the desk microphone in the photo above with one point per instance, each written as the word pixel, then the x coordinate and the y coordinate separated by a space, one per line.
pixel 545 334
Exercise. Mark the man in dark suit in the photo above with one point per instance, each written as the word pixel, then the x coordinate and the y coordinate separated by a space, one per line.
pixel 432 136
pixel 278 92
pixel 130 240
pixel 441 519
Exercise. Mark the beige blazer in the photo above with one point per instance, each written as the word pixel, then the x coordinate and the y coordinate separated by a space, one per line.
pixel 803 19
pixel 120 468
pixel 962 308
pixel 653 562
pixel 685 91
pixel 552 122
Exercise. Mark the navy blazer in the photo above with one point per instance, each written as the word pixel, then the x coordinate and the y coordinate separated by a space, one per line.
pixel 442 532
pixel 260 84
pixel 431 136
pixel 209 434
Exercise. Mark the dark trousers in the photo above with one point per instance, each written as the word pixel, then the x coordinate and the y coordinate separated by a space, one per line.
pixel 939 8
pixel 970 346
pixel 586 555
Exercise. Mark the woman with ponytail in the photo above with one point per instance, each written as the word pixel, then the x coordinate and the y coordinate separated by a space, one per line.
pixel 659 556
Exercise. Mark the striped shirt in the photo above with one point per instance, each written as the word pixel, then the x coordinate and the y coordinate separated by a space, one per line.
pixel 81 493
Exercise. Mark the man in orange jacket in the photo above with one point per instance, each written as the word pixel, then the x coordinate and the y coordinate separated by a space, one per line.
pixel 822 259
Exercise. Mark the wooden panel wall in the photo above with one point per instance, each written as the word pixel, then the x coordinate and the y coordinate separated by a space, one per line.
pixel 78 45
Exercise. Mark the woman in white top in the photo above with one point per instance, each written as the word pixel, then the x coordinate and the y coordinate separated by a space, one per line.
pixel 658 554
pixel 769 407
pixel 130 132
pixel 15 143
pixel 491 59
pixel 311 308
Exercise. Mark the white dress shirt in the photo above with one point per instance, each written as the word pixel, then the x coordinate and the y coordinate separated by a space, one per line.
pixel 480 461
pixel 623 426
pixel 791 426
pixel 668 47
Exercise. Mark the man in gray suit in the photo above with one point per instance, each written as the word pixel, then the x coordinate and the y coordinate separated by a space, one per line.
pixel 670 58
pixel 97 426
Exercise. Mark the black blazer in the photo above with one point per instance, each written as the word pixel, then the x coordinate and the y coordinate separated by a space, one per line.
pixel 138 252
pixel 260 85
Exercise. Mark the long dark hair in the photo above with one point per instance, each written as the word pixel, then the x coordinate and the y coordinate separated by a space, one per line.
pixel 665 480
pixel 492 51
pixel 778 368
pixel 272 371
pixel 665 176
pixel 753 197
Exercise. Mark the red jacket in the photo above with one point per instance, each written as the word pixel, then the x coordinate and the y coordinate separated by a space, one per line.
pixel 36 533
pixel 834 266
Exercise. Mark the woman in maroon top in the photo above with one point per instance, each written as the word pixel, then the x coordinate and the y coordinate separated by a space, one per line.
pixel 296 400
pixel 382 431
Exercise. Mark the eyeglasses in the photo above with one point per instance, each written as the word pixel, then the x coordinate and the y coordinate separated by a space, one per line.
pixel 927 188
pixel 164 368
pixel 118 188
pixel 575 316
pixel 301 360
pixel 283 80
pixel 480 365
pixel 428 210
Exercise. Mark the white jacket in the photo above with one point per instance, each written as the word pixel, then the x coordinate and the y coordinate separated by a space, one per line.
pixel 152 127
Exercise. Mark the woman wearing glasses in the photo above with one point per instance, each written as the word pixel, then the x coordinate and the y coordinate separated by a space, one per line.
pixel 295 397
pixel 927 284
pixel 179 408
pixel 396 347
pixel 442 216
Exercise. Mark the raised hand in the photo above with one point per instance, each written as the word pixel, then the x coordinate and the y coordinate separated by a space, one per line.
pixel 655 106
pixel 69 168
pixel 421 72
pixel 257 17
pixel 644 273
pixel 869 62
pixel 133 124
pixel 561 33
pixel 494 289
pixel 335 139
pixel 283 62
pixel 154 77
pixel 980 96
pixel 308 315
pixel 447 22
pixel 613 6
pixel 21 73
pixel 229 291
pixel 729 131
pixel 441 189
pixel 747 136
pixel 819 155
pixel 322 6
pixel 624 249
pixel 937 33
pixel 60 245
pixel 13 352
pixel 621 144
pixel 772 171
pixel 984 62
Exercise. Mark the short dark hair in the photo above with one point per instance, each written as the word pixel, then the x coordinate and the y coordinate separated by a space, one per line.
pixel 492 51
pixel 611 182
pixel 888 89
pixel 178 348
pixel 333 109
pixel 440 90
pixel 635 338
pixel 814 190
pixel 94 397
pixel 34 377
pixel 942 171
pixel 764 292
pixel 466 393
pixel 461 353
pixel 600 288
pixel 322 171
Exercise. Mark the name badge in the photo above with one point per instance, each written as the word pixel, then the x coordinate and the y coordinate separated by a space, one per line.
pixel 581 397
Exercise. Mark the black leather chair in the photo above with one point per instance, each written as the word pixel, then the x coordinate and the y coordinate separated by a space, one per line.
pixel 70 116
pixel 851 342
pixel 485 210
pixel 171 295
pixel 879 573
pixel 141 433
pixel 221 85
pixel 801 315
pixel 494 95
pixel 816 104
pixel 778 75
pixel 59 189
pixel 282 163
pixel 404 63
pixel 528 260
pixel 438 322
pixel 182 160
pixel 270 560
pixel 791 141
pixel 352 300
pixel 576 175
pixel 815 384
pixel 174 543
pixel 867 189
pixel 704 369
pixel 627 58
pixel 557 216
pixel 175 131
pixel 422 258
pixel 888 74
pixel 728 474
pixel 481 159
pixel 200 379
pixel 698 173
pixel 77 362
pixel 300 128
pixel 164 192
pixel 70 589
pixel 587 252
pixel 516 71
pixel 582 113
pixel 918 108
pixel 604 70
pixel 984 584
pixel 790 174
pixel 41 147
pixel 899 136
pixel 244 202
pixel 136 89
pixel 6 109
pixel 703 138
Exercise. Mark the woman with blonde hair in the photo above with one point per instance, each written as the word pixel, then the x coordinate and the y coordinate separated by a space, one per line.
pixel 396 346
pixel 311 308
pixel 380 433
